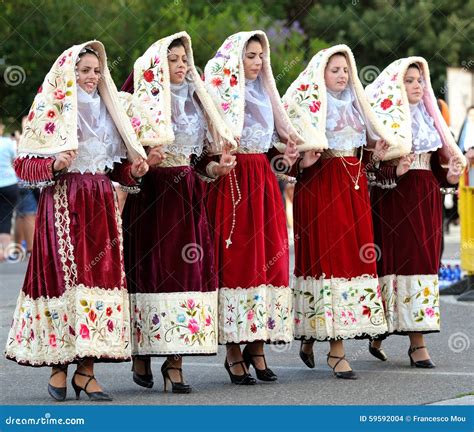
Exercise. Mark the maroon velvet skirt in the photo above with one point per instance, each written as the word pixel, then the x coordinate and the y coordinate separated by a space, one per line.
pixel 253 271
pixel 169 263
pixel 74 302
pixel 336 289
pixel 408 233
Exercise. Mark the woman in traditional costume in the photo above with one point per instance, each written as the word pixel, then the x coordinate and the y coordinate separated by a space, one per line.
pixel 246 208
pixel 336 290
pixel 73 307
pixel 407 213
pixel 168 246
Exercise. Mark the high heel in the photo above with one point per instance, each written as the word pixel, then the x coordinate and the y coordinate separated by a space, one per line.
pixel 93 396
pixel 308 359
pixel 425 364
pixel 343 375
pixel 245 379
pixel 58 393
pixel 145 380
pixel 262 374
pixel 377 352
pixel 176 386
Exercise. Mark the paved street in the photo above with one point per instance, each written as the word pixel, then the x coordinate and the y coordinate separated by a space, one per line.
pixel 393 382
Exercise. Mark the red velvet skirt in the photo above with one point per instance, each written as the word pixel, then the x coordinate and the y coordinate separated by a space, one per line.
pixel 336 289
pixel 169 263
pixel 74 302
pixel 333 222
pixel 253 271
pixel 408 232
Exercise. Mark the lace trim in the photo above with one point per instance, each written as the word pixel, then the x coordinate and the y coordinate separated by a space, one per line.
pixel 83 322
pixel 35 185
pixel 130 189
pixel 257 313
pixel 179 323
pixel 346 141
pixel 118 221
pixel 338 308
pixel 62 223
pixel 256 139
pixel 183 149
pixel 411 303
pixel 205 178
pixel 421 162
pixel 286 178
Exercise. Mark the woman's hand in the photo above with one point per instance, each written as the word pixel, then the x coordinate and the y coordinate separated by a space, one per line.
pixel 404 164
pixel 455 169
pixel 64 160
pixel 380 151
pixel 139 168
pixel 291 154
pixel 156 155
pixel 226 163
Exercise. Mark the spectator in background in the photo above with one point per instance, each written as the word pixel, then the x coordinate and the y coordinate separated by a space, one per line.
pixel 8 190
pixel 25 211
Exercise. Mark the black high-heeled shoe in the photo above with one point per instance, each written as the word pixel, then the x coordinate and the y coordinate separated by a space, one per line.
pixel 343 375
pixel 377 352
pixel 425 364
pixel 245 379
pixel 145 380
pixel 176 386
pixel 262 374
pixel 93 396
pixel 308 359
pixel 58 393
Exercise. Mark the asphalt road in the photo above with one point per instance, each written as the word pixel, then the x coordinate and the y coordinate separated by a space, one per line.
pixel 392 382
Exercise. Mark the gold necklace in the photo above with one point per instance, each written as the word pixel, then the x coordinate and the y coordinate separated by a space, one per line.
pixel 344 162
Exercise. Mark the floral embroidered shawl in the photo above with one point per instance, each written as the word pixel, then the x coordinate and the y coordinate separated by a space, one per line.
pixel 306 102
pixel 389 101
pixel 51 126
pixel 225 81
pixel 149 107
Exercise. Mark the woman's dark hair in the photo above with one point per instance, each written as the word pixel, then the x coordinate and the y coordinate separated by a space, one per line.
pixel 254 38
pixel 340 53
pixel 176 43
pixel 416 66
pixel 87 50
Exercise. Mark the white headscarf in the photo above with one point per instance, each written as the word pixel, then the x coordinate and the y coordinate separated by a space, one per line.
pixel 100 144
pixel 189 124
pixel 345 127
pixel 259 123
pixel 425 136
